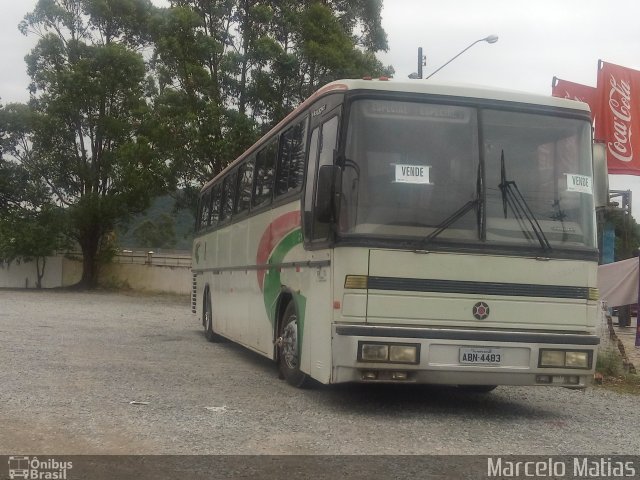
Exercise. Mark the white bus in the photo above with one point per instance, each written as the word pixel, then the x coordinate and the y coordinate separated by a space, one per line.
pixel 408 232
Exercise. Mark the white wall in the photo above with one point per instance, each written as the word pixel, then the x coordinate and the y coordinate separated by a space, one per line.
pixel 149 278
pixel 63 272
pixel 18 274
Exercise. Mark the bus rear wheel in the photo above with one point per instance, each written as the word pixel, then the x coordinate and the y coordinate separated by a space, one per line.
pixel 207 320
pixel 288 352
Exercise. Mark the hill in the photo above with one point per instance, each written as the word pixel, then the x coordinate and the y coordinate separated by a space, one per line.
pixel 161 226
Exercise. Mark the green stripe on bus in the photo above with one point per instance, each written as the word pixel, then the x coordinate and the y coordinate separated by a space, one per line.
pixel 273 284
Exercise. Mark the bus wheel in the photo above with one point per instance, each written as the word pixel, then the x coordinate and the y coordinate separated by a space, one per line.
pixel 288 358
pixel 477 388
pixel 207 320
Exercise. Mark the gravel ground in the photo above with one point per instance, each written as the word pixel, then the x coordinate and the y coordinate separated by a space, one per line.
pixel 71 363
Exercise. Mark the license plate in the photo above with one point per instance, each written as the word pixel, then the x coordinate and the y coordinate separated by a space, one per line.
pixel 480 356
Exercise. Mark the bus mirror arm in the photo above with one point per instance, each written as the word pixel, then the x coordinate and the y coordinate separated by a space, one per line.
pixel 328 193
pixel 343 162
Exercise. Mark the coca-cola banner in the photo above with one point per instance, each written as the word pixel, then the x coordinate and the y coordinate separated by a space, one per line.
pixel 576 91
pixel 618 120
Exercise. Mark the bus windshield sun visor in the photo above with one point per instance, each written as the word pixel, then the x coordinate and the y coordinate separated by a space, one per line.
pixel 512 198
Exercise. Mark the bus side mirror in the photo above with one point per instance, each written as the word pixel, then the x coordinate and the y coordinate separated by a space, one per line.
pixel 328 192
pixel 600 175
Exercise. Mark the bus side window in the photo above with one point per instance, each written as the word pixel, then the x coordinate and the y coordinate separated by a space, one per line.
pixel 264 173
pixel 198 223
pixel 328 141
pixel 228 195
pixel 327 145
pixel 205 210
pixel 245 184
pixel 215 205
pixel 291 159
pixel 311 181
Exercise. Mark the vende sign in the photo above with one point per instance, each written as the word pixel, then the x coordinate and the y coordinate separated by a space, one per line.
pixel 618 123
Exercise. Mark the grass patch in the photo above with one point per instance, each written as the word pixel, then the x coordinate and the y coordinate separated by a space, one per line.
pixel 609 363
pixel 123 288
pixel 627 383
pixel 614 376
pixel 113 284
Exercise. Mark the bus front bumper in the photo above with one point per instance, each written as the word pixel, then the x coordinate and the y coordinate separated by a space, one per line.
pixel 394 354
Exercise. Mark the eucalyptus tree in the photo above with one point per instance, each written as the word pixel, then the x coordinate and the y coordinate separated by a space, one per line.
pixel 93 142
pixel 227 70
pixel 32 227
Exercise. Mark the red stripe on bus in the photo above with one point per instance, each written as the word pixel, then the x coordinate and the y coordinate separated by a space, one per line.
pixel 275 232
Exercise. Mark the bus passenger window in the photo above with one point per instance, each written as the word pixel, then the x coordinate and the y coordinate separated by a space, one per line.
pixel 265 164
pixel 205 210
pixel 291 159
pixel 228 195
pixel 215 205
pixel 245 184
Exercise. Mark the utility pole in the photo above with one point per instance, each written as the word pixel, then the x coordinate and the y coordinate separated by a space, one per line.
pixel 422 61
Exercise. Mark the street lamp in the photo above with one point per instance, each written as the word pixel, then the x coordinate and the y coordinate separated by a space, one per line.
pixel 489 39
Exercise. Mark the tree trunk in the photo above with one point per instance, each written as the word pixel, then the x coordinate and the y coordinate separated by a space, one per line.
pixel 89 246
pixel 242 107
pixel 245 27
pixel 40 271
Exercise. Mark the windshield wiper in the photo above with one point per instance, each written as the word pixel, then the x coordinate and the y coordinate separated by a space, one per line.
pixel 512 198
pixel 461 212
pixel 450 220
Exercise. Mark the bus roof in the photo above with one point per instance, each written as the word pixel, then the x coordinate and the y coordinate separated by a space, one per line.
pixel 419 87
pixel 459 90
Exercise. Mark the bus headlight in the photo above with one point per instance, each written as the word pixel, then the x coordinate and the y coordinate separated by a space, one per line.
pixel 565 358
pixel 552 358
pixel 403 353
pixel 372 352
pixel 388 352
pixel 577 359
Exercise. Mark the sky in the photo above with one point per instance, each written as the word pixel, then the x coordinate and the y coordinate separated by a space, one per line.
pixel 538 39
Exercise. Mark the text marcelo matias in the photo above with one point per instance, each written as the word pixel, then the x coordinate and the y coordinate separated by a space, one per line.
pixel 585 467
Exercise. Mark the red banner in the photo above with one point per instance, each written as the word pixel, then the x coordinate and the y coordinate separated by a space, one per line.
pixel 576 91
pixel 618 120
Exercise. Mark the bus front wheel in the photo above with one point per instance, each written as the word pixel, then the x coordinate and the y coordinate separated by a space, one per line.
pixel 289 358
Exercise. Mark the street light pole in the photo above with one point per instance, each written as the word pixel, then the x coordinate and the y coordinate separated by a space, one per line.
pixel 421 62
pixel 489 39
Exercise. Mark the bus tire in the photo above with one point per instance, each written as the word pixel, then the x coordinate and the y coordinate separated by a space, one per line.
pixel 288 355
pixel 207 320
pixel 477 388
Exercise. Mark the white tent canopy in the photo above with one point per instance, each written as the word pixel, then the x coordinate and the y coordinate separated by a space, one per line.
pixel 618 282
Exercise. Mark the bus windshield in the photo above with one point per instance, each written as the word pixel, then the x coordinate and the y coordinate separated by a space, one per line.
pixel 442 173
